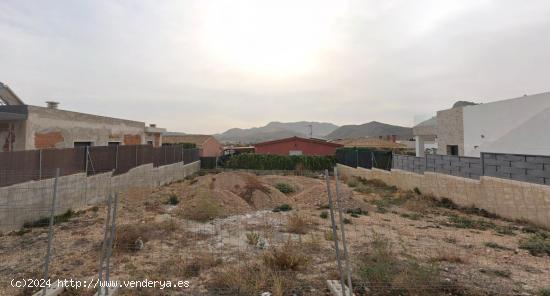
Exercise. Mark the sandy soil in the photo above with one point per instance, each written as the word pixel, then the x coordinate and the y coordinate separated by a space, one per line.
pixel 176 248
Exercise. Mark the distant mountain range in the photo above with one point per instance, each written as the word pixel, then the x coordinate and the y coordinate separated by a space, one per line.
pixel 276 130
pixel 370 129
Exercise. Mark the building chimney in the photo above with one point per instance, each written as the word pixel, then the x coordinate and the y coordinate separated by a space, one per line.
pixel 152 125
pixel 52 104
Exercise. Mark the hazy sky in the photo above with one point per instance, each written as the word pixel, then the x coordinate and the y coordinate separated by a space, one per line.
pixel 206 66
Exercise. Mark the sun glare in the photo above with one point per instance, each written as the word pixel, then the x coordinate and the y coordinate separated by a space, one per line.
pixel 268 39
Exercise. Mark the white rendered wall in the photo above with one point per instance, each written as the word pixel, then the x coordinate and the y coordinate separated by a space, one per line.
pixel 517 126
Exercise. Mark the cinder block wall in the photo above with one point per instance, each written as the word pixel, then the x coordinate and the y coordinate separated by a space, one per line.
pixel 29 201
pixel 506 198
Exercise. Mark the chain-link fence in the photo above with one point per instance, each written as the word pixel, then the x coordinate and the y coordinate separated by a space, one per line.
pixel 253 232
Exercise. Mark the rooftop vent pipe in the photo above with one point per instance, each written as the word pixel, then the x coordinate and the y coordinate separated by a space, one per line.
pixel 52 104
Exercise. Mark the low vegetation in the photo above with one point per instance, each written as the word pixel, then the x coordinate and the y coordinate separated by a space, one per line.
pixel 287 257
pixel 285 188
pixel 537 244
pixel 297 224
pixel 252 238
pixel 45 221
pixel 324 214
pixel 173 200
pixel 252 161
pixel 386 274
pixel 202 208
pixel 283 208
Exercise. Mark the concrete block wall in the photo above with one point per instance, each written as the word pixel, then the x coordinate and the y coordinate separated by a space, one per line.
pixel 527 168
pixel 506 198
pixel 409 163
pixel 29 201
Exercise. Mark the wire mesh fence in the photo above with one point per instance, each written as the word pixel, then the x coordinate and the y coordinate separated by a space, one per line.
pixel 251 232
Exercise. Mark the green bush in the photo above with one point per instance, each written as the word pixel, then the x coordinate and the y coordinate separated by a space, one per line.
pixel 45 221
pixel 537 244
pixel 173 200
pixel 284 188
pixel 324 214
pixel 279 162
pixel 283 208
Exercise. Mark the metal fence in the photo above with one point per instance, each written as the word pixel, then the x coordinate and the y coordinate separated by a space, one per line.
pixel 364 158
pixel 525 168
pixel 22 166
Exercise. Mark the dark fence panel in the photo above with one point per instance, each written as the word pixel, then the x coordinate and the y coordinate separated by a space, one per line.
pixel 174 153
pixel 526 168
pixel 208 162
pixel 382 159
pixel 347 157
pixel 102 159
pixel 19 166
pixel 190 155
pixel 365 158
pixel 127 159
pixel 68 160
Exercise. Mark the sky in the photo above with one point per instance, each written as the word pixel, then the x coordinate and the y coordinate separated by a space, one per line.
pixel 206 66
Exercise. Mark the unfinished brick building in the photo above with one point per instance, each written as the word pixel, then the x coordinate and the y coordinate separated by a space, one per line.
pixel 25 127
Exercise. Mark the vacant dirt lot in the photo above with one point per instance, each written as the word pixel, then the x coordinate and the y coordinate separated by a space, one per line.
pixel 221 233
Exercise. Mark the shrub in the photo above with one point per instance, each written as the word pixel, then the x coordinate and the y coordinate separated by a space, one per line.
pixel 413 216
pixel 329 235
pixel 390 276
pixel 352 182
pixel 45 221
pixel 498 272
pixel 446 203
pixel 495 246
pixel 173 200
pixel 346 221
pixel 249 278
pixel 297 224
pixel 283 208
pixel 465 222
pixel 356 211
pixel 417 190
pixel 252 238
pixel 544 292
pixel 537 244
pixel 280 162
pixel 130 237
pixel 324 214
pixel 284 188
pixel 287 257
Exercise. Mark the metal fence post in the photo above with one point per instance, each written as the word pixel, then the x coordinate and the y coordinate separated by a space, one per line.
pixel 40 164
pixel 110 246
pixel 50 231
pixel 116 158
pixel 334 233
pixel 104 245
pixel 344 244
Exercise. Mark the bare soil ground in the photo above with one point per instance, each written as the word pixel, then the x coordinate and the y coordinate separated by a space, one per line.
pixel 219 232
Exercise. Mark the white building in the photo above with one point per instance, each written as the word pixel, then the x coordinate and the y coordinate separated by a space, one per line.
pixel 516 126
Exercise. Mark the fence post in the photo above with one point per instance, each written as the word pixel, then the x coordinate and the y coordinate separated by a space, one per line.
pixel 482 164
pixel 334 233
pixel 110 246
pixel 104 245
pixel 136 164
pixel 116 158
pixel 50 231
pixel 340 216
pixel 40 164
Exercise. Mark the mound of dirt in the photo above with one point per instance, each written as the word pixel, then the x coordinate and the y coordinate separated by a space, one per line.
pixel 240 192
